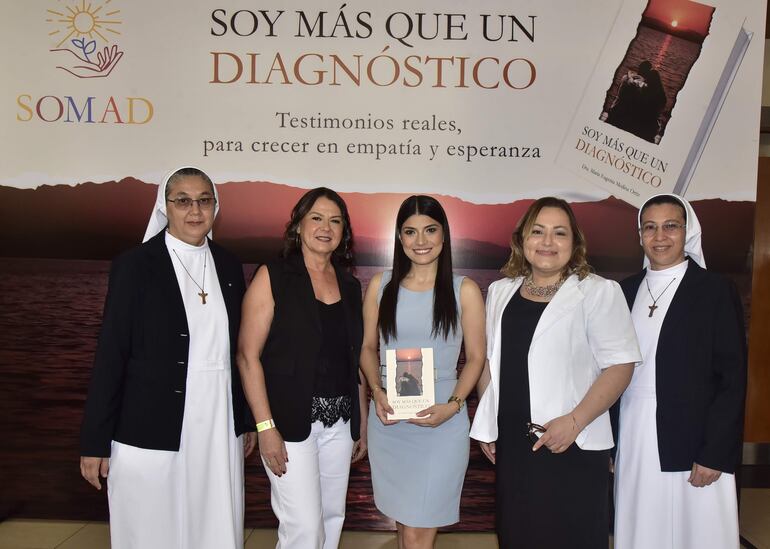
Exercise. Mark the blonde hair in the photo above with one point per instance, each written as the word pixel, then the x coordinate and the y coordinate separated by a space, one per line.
pixel 517 264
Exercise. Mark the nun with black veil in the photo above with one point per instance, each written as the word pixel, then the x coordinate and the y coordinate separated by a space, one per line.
pixel 165 420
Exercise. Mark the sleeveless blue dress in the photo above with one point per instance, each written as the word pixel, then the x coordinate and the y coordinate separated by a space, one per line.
pixel 418 472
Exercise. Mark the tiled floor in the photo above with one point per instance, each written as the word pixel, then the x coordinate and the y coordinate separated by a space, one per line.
pixel 46 534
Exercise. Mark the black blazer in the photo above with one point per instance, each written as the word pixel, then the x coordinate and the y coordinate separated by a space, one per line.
pixel 700 372
pixel 137 390
pixel 290 354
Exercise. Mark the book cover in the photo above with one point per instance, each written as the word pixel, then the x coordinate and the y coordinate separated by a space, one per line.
pixel 410 381
pixel 655 95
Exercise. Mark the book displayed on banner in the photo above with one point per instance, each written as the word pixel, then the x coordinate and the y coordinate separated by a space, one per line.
pixel 655 96
pixel 410 381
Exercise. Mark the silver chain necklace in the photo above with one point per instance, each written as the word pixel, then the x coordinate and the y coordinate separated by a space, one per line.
pixel 546 291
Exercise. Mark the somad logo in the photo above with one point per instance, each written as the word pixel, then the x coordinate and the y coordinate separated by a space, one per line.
pixel 84 37
pixel 83 43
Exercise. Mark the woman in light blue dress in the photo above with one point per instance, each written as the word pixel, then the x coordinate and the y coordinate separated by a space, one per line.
pixel 418 465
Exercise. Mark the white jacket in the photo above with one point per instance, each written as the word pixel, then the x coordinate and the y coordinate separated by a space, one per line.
pixel 586 327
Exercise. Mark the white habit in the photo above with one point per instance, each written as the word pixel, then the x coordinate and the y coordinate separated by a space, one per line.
pixel 655 509
pixel 193 498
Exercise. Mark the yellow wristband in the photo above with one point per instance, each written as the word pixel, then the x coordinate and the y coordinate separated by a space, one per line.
pixel 265 425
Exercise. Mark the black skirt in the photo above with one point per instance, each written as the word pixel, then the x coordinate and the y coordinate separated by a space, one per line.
pixel 544 500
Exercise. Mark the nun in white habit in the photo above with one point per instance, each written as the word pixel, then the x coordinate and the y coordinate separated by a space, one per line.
pixel 681 418
pixel 166 420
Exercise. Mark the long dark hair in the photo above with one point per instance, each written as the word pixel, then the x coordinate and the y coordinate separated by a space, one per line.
pixel 291 241
pixel 444 302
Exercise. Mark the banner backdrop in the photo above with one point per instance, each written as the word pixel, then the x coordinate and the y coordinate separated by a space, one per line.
pixel 472 100
pixel 486 105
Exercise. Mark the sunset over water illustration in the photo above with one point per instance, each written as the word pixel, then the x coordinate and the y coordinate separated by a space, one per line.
pixel 645 86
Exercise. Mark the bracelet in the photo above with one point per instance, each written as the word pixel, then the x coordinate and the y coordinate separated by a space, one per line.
pixel 265 425
pixel 460 402
pixel 376 388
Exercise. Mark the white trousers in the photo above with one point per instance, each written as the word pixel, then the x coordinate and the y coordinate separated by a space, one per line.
pixel 309 499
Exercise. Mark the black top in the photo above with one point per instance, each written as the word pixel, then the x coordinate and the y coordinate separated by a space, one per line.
pixel 700 373
pixel 333 370
pixel 519 321
pixel 138 383
pixel 290 355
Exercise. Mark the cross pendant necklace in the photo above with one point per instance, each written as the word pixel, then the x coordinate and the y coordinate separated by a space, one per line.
pixel 655 299
pixel 202 294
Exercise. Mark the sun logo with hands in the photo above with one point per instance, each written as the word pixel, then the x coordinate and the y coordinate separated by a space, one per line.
pixel 84 33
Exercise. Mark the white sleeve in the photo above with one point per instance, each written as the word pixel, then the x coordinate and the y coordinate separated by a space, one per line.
pixel 609 327
pixel 484 426
pixel 490 317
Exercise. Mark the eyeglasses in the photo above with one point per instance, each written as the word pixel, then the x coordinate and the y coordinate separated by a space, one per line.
pixel 533 429
pixel 185 203
pixel 669 228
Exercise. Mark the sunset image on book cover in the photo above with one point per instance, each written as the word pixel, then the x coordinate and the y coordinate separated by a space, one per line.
pixel 645 85
pixel 410 381
pixel 409 372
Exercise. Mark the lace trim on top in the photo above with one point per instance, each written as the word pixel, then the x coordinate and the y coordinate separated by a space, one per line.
pixel 329 410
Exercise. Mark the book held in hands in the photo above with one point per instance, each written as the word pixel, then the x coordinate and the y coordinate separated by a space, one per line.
pixel 410 381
